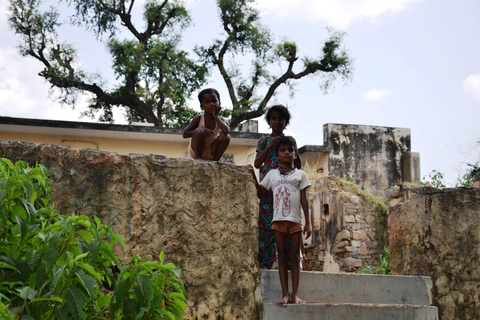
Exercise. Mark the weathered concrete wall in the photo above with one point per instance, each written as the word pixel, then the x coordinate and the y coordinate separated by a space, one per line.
pixel 436 233
pixel 344 227
pixel 370 156
pixel 201 214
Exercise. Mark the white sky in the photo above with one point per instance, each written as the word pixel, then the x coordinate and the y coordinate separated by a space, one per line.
pixel 416 65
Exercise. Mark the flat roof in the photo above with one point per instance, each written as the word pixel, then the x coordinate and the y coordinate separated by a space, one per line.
pixel 112 131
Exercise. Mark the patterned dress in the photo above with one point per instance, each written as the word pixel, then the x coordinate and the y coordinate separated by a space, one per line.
pixel 266 240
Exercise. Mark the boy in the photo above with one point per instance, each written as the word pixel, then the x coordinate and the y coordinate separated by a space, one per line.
pixel 289 186
pixel 207 142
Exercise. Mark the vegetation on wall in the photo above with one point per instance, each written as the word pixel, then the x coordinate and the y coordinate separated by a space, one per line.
pixel 435 178
pixel 383 265
pixel 469 177
pixel 371 203
pixel 55 266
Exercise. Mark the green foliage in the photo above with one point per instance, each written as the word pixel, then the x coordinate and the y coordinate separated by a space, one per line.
pixel 435 178
pixel 63 267
pixel 473 173
pixel 153 75
pixel 383 265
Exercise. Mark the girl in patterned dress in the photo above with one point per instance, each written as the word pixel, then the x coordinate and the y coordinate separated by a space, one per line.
pixel 278 117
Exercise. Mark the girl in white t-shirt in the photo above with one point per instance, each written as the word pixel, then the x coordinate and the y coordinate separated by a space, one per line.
pixel 289 186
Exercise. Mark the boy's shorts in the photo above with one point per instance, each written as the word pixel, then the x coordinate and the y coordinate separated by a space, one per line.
pixel 287 227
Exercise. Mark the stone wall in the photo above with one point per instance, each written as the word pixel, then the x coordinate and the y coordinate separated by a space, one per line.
pixel 371 156
pixel 203 215
pixel 346 234
pixel 436 233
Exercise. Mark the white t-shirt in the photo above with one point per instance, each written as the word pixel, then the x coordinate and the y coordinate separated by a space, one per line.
pixel 286 194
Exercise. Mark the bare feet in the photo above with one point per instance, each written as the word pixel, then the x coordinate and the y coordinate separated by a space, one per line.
pixel 297 300
pixel 283 302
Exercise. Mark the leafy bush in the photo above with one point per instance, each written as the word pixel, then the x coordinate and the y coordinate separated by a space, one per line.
pixel 55 266
pixel 473 172
pixel 383 265
pixel 436 179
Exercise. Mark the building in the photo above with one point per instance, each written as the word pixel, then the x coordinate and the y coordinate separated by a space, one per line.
pixel 124 139
pixel 374 157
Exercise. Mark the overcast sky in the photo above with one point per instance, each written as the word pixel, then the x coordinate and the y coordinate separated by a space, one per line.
pixel 417 66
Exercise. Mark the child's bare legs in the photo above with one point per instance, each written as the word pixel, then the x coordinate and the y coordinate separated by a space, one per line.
pixel 295 245
pixel 281 242
pixel 220 145
pixel 198 141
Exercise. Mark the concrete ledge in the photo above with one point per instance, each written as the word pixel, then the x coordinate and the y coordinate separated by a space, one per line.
pixel 347 311
pixel 352 288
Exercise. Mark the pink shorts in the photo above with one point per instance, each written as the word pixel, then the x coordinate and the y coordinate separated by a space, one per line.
pixel 287 227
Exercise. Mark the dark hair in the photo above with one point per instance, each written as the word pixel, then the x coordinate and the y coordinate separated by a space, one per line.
pixel 208 91
pixel 281 110
pixel 284 141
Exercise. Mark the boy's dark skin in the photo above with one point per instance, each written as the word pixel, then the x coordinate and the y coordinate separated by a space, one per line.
pixel 210 104
pixel 286 156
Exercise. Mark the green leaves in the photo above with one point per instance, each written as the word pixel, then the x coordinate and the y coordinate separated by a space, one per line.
pixel 75 302
pixel 154 77
pixel 61 267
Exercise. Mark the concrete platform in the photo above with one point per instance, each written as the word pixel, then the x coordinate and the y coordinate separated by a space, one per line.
pixel 347 311
pixel 351 296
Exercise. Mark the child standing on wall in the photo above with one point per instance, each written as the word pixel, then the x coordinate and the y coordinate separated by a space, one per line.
pixel 207 142
pixel 289 186
pixel 278 118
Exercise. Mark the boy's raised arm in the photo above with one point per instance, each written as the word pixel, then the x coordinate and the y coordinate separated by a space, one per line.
pixel 188 132
pixel 221 123
pixel 261 156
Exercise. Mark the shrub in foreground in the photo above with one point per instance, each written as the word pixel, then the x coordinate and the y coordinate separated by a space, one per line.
pixel 55 266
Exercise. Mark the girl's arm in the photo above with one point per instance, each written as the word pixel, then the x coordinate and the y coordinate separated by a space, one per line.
pixel 261 191
pixel 307 228
pixel 188 132
pixel 261 156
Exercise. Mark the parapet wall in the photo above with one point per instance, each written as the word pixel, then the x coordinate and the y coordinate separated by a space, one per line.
pixel 436 233
pixel 373 157
pixel 203 215
pixel 348 227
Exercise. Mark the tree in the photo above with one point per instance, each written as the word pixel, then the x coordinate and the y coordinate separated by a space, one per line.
pixel 155 78
pixel 470 176
pixel 245 35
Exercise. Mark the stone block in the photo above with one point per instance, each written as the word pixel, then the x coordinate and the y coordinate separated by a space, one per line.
pixel 353 263
pixel 356 244
pixel 340 244
pixel 370 219
pixel 349 219
pixel 359 235
pixel 355 200
pixel 342 235
pixel 363 249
